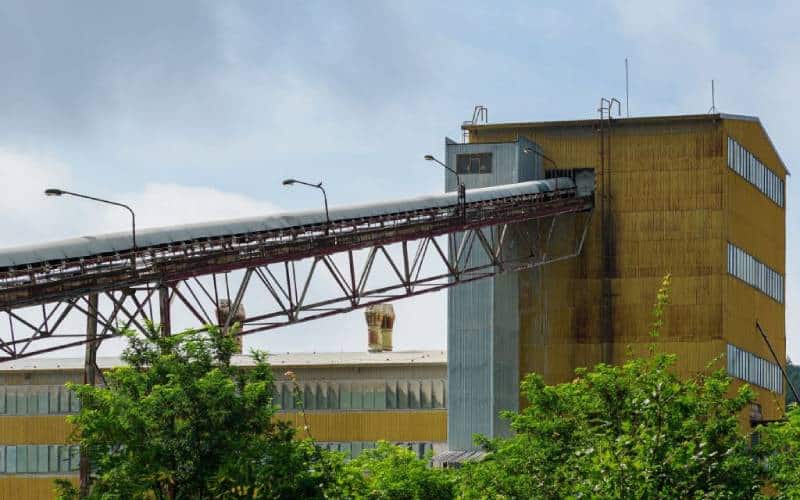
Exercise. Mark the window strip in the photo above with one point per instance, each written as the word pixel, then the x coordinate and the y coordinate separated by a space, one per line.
pixel 756 274
pixel 756 173
pixel 754 369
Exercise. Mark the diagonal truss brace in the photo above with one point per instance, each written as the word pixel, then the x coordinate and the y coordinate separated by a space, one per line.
pixel 289 292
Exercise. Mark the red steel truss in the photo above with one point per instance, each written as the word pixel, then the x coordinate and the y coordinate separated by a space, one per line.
pixel 274 273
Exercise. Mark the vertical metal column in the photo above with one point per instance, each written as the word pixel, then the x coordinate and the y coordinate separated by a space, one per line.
pixel 89 378
pixel 607 233
pixel 164 313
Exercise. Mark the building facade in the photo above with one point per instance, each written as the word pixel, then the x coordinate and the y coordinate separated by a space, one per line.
pixel 701 198
pixel 351 401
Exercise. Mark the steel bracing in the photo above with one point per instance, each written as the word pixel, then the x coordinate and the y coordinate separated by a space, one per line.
pixel 268 279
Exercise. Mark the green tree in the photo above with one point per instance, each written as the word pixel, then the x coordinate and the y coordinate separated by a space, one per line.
pixel 793 373
pixel 780 443
pixel 630 431
pixel 179 421
pixel 390 472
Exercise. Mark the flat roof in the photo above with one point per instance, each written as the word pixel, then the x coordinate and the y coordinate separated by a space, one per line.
pixel 289 359
pixel 635 120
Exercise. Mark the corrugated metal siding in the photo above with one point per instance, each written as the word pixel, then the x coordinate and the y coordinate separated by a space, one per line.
pixel 39 459
pixel 37 400
pixel 665 199
pixel 675 205
pixel 36 429
pixel 364 395
pixel 482 324
pixel 756 224
pixel 31 488
pixel 421 425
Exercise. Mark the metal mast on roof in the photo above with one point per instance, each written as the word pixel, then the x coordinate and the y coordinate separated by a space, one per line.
pixel 627 91
pixel 713 109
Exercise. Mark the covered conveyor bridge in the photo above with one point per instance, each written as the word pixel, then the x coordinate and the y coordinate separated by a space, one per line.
pixel 260 272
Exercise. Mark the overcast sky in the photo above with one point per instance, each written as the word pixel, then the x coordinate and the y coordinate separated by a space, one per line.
pixel 197 110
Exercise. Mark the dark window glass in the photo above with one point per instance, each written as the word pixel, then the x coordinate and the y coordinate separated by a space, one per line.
pixel 474 163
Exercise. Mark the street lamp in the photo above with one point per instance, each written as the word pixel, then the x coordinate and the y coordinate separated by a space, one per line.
pixel 529 150
pixel 289 182
pixel 61 192
pixel 462 191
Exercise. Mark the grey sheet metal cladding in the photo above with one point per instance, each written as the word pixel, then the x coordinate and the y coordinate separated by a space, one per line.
pixel 86 246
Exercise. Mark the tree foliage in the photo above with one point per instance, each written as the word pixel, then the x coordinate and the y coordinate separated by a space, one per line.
pixel 780 444
pixel 179 421
pixel 389 472
pixel 630 431
pixel 793 373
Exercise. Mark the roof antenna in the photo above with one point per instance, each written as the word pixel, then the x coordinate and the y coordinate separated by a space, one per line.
pixel 713 109
pixel 627 91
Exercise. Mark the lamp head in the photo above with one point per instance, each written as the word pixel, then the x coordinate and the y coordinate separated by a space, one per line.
pixel 288 182
pixel 528 150
pixel 429 157
pixel 53 192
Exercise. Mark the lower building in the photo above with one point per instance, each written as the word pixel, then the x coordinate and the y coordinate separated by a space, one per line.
pixel 351 401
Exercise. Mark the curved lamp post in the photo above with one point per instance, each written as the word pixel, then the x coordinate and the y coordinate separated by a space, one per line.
pixel 529 150
pixel 61 192
pixel 290 182
pixel 462 190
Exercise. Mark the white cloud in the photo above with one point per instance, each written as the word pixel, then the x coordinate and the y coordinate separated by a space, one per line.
pixel 31 217
pixel 27 215
pixel 170 204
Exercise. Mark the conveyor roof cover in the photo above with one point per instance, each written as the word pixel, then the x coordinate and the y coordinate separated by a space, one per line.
pixel 86 246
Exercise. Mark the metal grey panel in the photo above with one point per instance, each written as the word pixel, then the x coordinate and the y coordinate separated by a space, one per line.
pixel 33 456
pixel 469 343
pixel 52 458
pixel 63 459
pixel 42 458
pixel 22 401
pixel 11 402
pixel 11 459
pixel 345 401
pixel 22 458
pixel 64 400
pixel 482 320
pixel 74 457
pixel 44 399
pixel 117 242
pixel 53 394
pixel 505 350
pixel 380 397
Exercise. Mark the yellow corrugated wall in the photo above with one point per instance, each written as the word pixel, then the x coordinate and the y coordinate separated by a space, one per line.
pixel 415 425
pixel 758 226
pixel 670 199
pixel 30 487
pixel 403 425
pixel 34 429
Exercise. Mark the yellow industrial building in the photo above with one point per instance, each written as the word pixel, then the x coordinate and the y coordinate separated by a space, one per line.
pixel 699 197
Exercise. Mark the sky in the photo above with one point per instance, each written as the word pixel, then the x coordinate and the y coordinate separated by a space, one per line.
pixel 191 111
